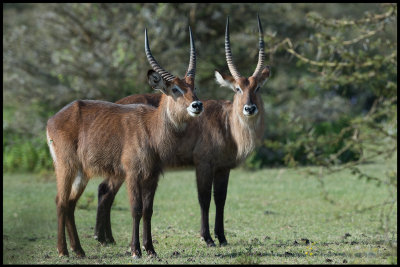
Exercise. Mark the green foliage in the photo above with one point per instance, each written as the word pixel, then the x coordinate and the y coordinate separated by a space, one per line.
pixel 328 139
pixel 22 154
pixel 348 71
pixel 329 62
pixel 307 146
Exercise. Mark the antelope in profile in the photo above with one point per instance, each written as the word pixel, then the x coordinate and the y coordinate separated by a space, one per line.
pixel 224 136
pixel 123 142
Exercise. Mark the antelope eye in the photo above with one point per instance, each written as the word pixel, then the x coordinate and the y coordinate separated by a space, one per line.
pixel 174 90
pixel 238 90
pixel 257 89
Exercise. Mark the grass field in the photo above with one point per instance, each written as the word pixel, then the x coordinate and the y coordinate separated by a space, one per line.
pixel 272 216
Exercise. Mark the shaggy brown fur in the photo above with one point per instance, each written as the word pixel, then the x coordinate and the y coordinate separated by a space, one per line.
pixel 123 142
pixel 215 143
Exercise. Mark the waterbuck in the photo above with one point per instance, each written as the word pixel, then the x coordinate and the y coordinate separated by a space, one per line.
pixel 221 139
pixel 122 142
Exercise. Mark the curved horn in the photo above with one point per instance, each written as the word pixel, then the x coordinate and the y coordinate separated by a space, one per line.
pixel 261 54
pixel 165 74
pixel 192 63
pixel 236 75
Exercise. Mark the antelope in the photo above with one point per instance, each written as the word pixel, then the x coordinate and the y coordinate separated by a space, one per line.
pixel 123 142
pixel 226 134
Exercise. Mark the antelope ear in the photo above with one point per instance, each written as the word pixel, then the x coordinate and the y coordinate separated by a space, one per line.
pixel 226 81
pixel 156 81
pixel 264 75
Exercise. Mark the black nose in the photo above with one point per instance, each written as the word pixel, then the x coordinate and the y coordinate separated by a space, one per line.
pixel 250 109
pixel 197 105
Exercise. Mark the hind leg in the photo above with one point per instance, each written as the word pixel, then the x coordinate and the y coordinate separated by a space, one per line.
pixel 64 183
pixel 78 187
pixel 106 194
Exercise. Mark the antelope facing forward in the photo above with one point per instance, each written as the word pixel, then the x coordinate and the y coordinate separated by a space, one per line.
pixel 123 142
pixel 219 141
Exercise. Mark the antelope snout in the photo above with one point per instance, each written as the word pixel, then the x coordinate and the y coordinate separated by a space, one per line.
pixel 195 108
pixel 250 110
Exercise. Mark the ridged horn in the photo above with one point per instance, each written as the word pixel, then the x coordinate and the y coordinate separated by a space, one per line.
pixel 236 75
pixel 261 54
pixel 156 67
pixel 192 63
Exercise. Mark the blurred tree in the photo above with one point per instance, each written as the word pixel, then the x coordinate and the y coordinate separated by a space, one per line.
pixel 345 69
pixel 56 53
pixel 350 62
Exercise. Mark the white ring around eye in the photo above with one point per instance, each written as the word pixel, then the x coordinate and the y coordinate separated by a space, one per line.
pixel 178 89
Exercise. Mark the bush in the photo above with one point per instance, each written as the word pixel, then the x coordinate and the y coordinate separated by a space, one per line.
pixel 324 140
pixel 25 154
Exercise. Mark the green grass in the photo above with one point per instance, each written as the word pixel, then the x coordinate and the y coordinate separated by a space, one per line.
pixel 272 216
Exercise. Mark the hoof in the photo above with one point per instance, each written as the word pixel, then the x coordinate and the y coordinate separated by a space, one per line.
pixel 99 238
pixel 79 253
pixel 107 243
pixel 221 239
pixel 63 253
pixel 211 244
pixel 151 254
pixel 223 243
pixel 136 256
pixel 104 241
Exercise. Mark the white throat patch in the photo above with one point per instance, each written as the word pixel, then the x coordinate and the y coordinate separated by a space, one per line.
pixel 179 126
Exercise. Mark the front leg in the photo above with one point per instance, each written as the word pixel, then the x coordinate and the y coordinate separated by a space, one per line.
pixel 135 199
pixel 221 179
pixel 149 187
pixel 204 184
